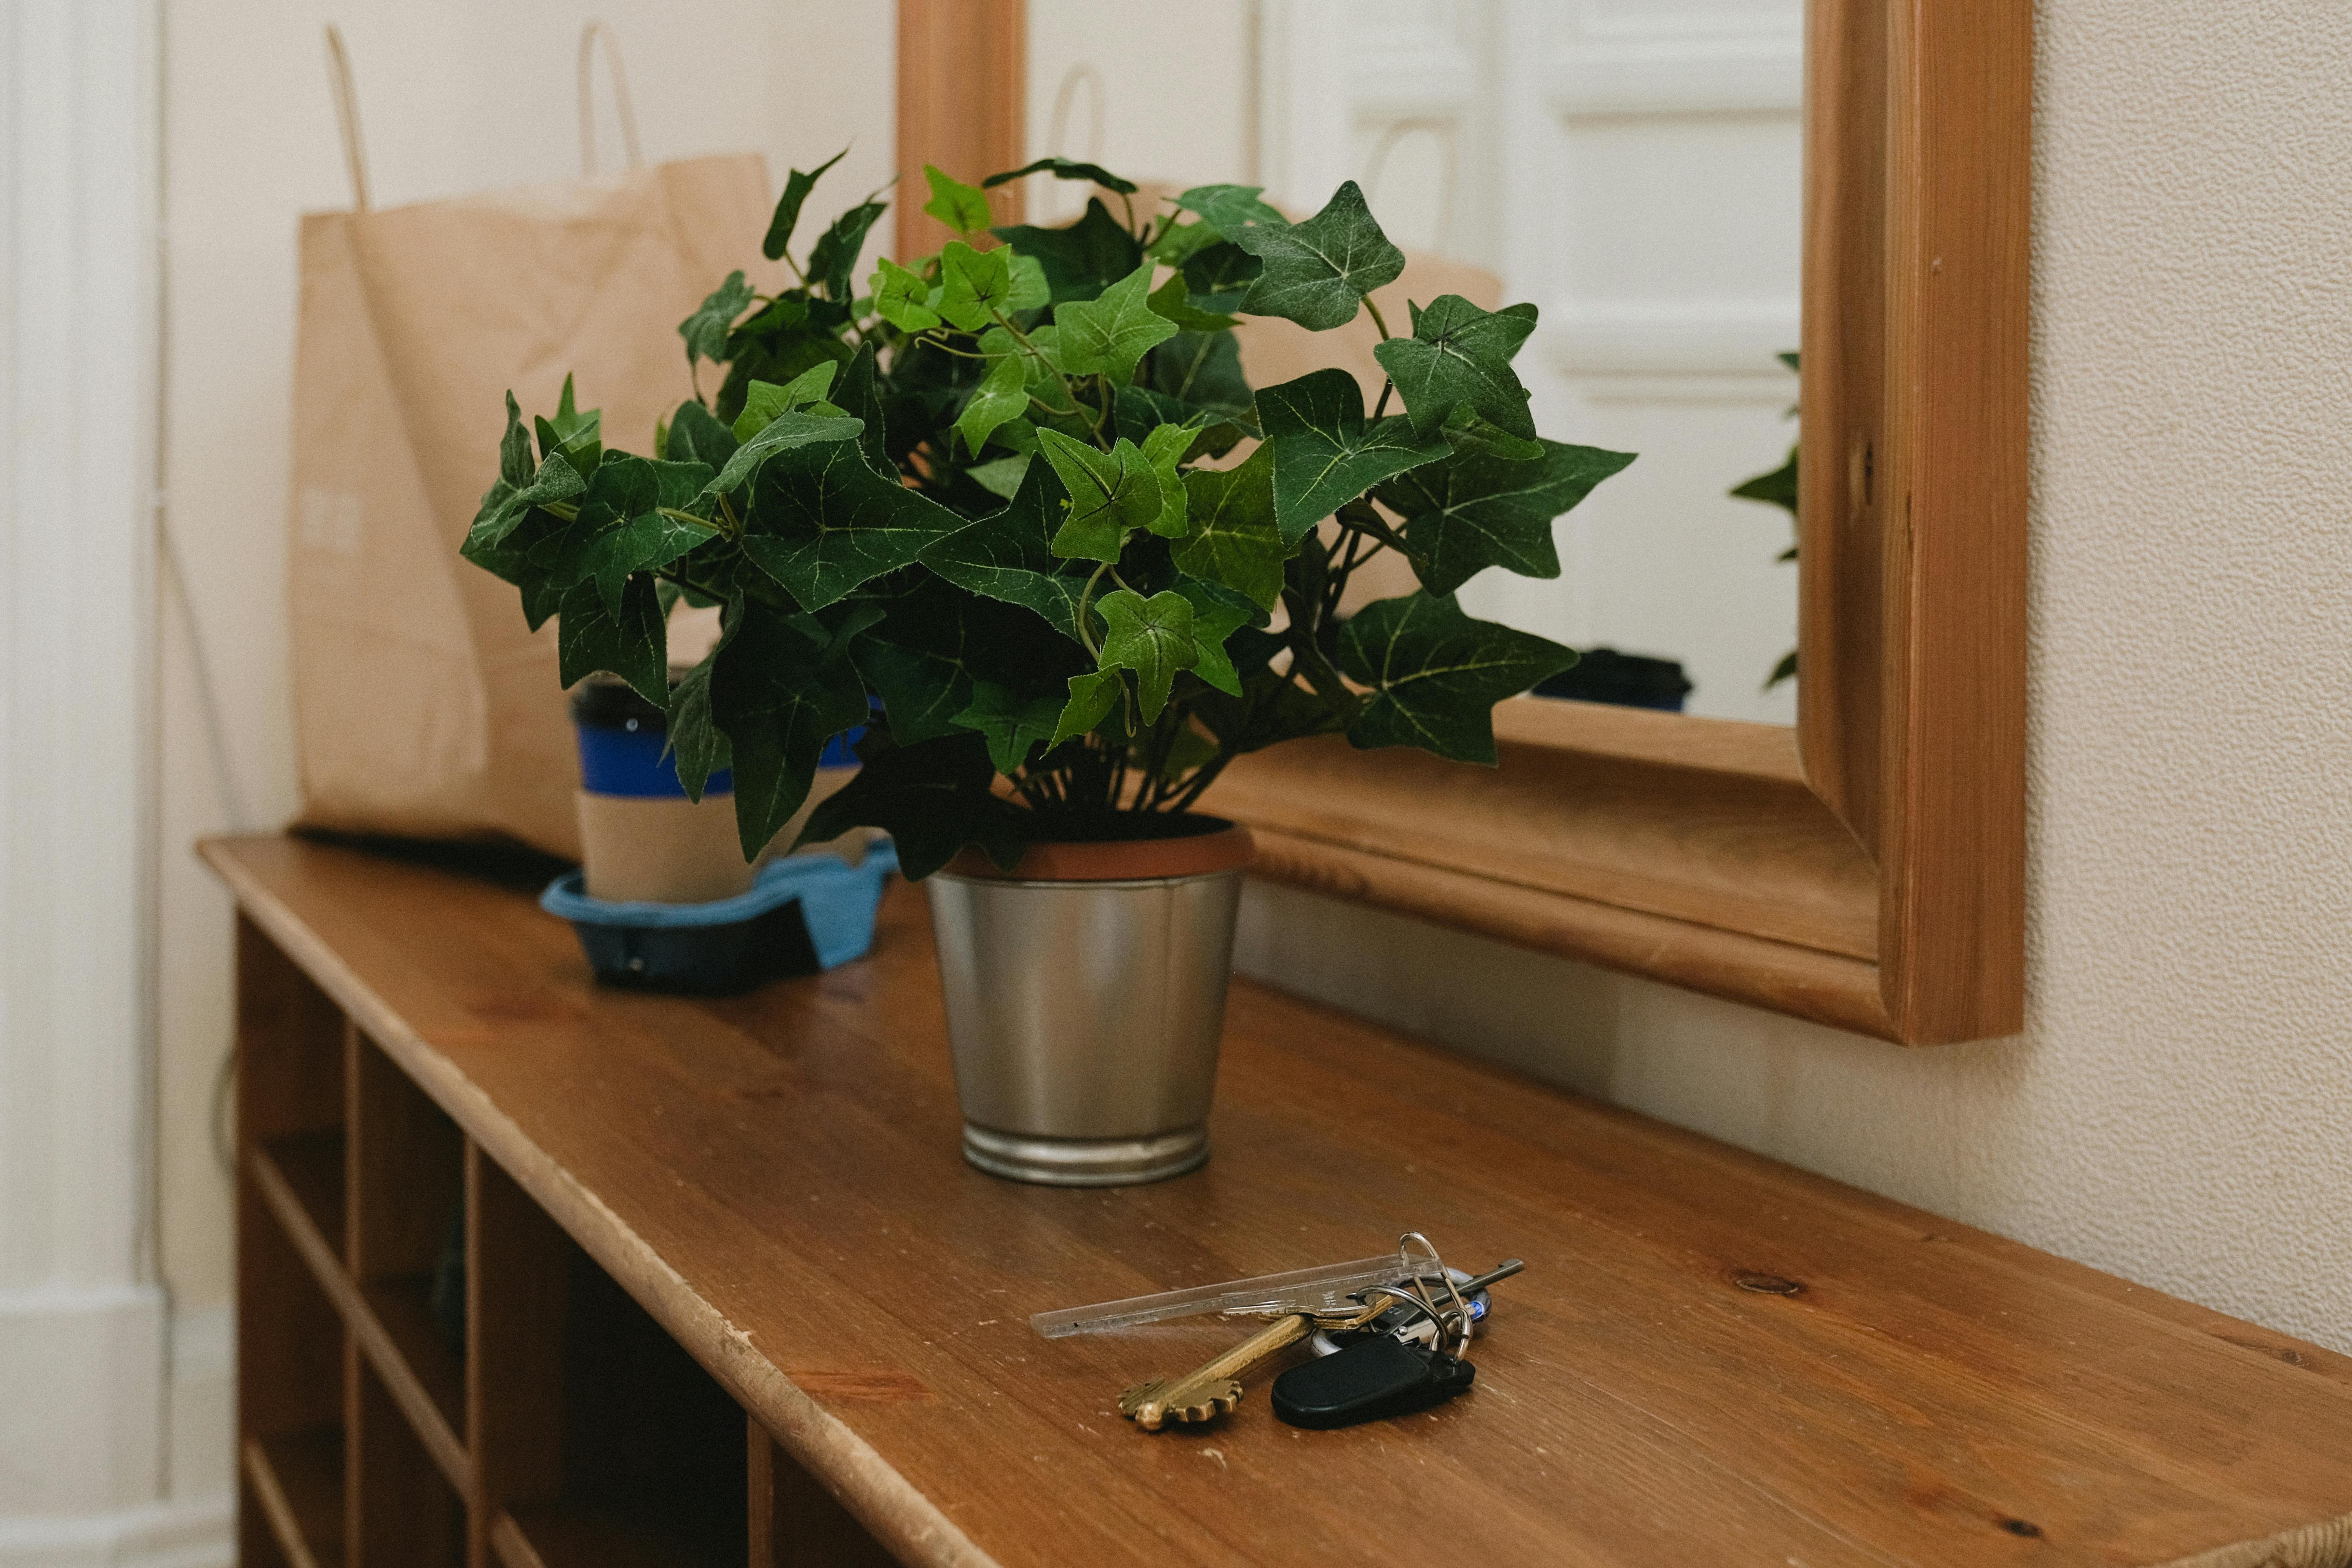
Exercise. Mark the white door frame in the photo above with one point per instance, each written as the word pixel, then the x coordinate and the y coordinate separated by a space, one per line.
pixel 83 1318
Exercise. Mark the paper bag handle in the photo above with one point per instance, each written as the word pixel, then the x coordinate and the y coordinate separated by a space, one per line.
pixel 621 109
pixel 347 115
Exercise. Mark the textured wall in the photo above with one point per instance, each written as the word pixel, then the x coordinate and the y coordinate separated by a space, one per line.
pixel 2178 1109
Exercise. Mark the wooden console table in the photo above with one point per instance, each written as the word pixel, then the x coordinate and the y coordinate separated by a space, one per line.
pixel 677 1214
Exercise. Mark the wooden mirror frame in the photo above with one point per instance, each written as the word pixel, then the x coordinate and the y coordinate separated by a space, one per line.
pixel 1866 869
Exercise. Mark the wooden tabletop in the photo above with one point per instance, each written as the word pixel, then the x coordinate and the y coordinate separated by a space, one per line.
pixel 1710 1359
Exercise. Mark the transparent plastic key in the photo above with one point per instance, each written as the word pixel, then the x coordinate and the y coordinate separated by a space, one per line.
pixel 1323 1290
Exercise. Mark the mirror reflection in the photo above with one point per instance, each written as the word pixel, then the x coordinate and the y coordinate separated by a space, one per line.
pixel 1630 166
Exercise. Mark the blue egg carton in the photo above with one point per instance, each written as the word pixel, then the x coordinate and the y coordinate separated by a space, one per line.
pixel 804 914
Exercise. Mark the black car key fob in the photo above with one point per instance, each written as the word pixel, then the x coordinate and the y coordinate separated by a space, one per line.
pixel 1369 1380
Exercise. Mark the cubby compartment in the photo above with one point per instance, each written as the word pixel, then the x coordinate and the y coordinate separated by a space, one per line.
pixel 291 1402
pixel 404 1512
pixel 405 1245
pixel 602 1442
pixel 651 1468
pixel 432 1373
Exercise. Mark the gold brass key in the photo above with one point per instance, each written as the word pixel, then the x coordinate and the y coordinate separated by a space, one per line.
pixel 1215 1387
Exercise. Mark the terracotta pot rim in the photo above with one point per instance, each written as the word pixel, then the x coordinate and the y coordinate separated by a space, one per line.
pixel 1226 848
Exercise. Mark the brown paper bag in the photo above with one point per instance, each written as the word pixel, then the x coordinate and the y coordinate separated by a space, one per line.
pixel 424 705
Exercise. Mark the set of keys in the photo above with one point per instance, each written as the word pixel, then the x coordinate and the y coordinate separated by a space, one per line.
pixel 1397 1331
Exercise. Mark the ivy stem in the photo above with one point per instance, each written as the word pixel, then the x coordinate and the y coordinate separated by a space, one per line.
pixel 940 343
pixel 1085 635
pixel 1033 352
pixel 1377 321
pixel 1102 388
pixel 1386 387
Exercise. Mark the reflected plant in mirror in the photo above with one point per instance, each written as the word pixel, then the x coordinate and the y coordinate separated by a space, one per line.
pixel 1778 488
pixel 1019 498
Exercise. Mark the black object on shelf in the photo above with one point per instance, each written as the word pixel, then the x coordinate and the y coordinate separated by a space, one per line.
pixel 1627 679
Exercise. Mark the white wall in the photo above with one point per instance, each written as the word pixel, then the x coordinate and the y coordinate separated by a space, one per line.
pixel 1167 100
pixel 2177 1108
pixel 455 98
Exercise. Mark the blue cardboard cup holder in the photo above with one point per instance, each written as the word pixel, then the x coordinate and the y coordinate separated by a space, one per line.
pixel 800 914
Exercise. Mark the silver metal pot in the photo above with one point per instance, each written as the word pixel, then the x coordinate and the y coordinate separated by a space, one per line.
pixel 1085 1017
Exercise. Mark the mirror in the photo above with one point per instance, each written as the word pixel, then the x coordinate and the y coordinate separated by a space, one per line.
pixel 1631 166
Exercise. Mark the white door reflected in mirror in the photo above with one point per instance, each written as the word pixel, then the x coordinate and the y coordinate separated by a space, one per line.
pixel 1631 166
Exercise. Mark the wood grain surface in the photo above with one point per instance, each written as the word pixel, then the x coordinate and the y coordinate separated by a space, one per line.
pixel 1710 1359
pixel 961 66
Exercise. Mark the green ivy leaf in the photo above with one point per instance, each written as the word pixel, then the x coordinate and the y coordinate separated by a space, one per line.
pixel 514 449
pixel 1203 369
pixel 1218 613
pixel 629 643
pixel 1081 259
pixel 1150 637
pixel 705 332
pixel 1138 410
pixel 1163 448
pixel 696 436
pixel 833 260
pixel 695 742
pixel 779 698
pixel 1466 432
pixel 1180 242
pixel 1459 354
pixel 973 284
pixel 786 433
pixel 503 506
pixel 1317 272
pixel 1233 539
pixel 794 330
pixel 1778 488
pixel 1436 674
pixel 797 187
pixel 1474 511
pixel 902 299
pixel 1107 335
pixel 919 659
pixel 1220 274
pixel 574 435
pixel 764 401
pixel 960 206
pixel 1092 697
pixel 1173 300
pixel 1326 454
pixel 1109 492
pixel 1008 556
pixel 822 522
pixel 933 799
pixel 1002 476
pixel 860 396
pixel 511 559
pixel 642 496
pixel 1012 725
pixel 1229 210
pixel 1064 169
pixel 1030 289
pixel 1001 396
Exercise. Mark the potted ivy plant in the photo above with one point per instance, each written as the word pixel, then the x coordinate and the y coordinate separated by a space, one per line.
pixel 1018 502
